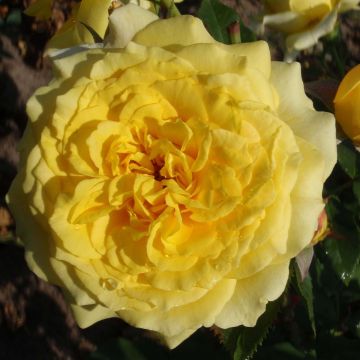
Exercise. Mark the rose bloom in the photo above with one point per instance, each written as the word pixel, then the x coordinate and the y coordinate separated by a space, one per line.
pixel 347 109
pixel 170 180
pixel 91 13
pixel 85 14
pixel 304 22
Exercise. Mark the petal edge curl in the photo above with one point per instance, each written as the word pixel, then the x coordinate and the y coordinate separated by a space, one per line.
pixel 296 109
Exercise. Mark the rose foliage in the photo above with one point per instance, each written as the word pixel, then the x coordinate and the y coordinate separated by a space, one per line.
pixel 168 179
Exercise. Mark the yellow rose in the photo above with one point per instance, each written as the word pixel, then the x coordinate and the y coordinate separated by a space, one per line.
pixel 305 21
pixel 347 109
pixel 87 14
pixel 92 13
pixel 170 182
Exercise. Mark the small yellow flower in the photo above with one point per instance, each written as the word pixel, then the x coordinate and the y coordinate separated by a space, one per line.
pixel 93 13
pixel 305 22
pixel 168 179
pixel 347 108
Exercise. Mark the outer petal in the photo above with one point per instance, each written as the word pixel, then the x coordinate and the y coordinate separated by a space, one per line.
pixel 316 7
pixel 125 22
pixel 287 22
pixel 296 109
pixel 308 38
pixel 251 296
pixel 94 13
pixel 88 315
pixel 306 200
pixel 39 252
pixel 36 240
pixel 173 341
pixel 177 321
pixel 257 54
pixel 181 30
pixel 220 58
pixel 21 190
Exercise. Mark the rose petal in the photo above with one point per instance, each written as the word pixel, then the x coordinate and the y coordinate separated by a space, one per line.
pixel 296 109
pixel 125 22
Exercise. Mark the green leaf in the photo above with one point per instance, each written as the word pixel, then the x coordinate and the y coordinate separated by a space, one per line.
pixel 354 286
pixel 344 255
pixel 348 159
pixel 305 289
pixel 246 34
pixel 332 347
pixel 117 349
pixel 356 190
pixel 217 17
pixel 283 351
pixel 326 285
pixel 203 343
pixel 353 324
pixel 343 249
pixel 14 18
pixel 243 341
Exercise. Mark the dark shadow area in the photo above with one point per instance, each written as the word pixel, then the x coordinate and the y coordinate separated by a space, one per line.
pixel 35 322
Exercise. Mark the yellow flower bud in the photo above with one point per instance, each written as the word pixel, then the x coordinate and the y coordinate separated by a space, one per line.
pixel 347 104
pixel 304 22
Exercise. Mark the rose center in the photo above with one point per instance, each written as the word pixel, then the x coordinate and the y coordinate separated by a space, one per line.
pixel 158 164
